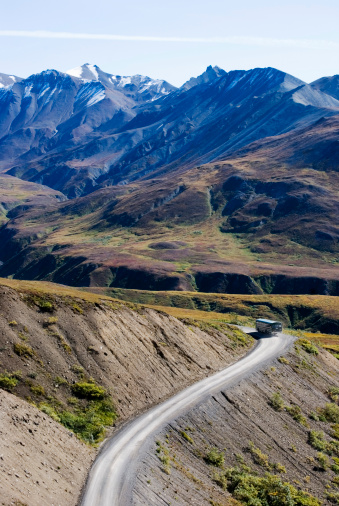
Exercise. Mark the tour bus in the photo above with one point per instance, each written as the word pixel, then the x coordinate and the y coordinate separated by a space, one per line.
pixel 268 326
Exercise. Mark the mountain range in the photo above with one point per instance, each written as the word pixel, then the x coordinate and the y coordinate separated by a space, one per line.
pixel 228 183
pixel 87 129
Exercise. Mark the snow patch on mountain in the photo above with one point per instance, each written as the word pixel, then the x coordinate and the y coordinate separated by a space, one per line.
pixel 76 72
pixel 27 92
pixel 90 94
pixel 93 69
pixel 7 81
pixel 97 97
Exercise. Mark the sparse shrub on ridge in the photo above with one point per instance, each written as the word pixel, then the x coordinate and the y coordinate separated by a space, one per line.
pixel 308 346
pixel 187 437
pixel 296 414
pixel 37 390
pixel 317 440
pixel 259 457
pixel 333 394
pixel 322 461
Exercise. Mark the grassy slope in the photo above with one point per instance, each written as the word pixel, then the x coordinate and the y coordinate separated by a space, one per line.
pixel 317 315
pixel 183 211
pixel 15 192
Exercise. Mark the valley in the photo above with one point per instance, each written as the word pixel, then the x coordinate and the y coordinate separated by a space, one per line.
pixel 142 225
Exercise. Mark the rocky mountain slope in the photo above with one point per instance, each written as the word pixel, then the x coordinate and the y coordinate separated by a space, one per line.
pixel 85 361
pixel 260 220
pixel 329 85
pixel 87 129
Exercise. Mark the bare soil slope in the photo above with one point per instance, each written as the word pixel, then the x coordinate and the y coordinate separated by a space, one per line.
pixel 49 343
pixel 41 462
pixel 179 468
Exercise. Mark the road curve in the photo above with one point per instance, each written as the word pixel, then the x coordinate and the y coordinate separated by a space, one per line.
pixel 111 477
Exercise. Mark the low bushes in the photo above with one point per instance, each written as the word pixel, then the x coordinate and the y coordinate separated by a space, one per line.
pixel 89 422
pixel 268 490
pixel 88 391
pixel 23 350
pixel 215 458
pixel 308 346
pixel 8 382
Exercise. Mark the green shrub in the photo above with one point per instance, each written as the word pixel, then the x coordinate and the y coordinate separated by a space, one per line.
pixel 283 360
pixel 37 390
pixel 89 422
pixel 23 350
pixel 60 381
pixel 277 402
pixel 266 490
pixel 333 393
pixel 89 391
pixel 331 412
pixel 296 414
pixel 51 321
pixel 50 411
pixel 45 305
pixel 333 497
pixel 12 323
pixel 322 460
pixel 8 382
pixel 308 346
pixel 259 457
pixel 279 468
pixel 77 309
pixel 186 436
pixel 215 458
pixel 317 440
pixel 333 447
pixel 77 369
pixel 335 428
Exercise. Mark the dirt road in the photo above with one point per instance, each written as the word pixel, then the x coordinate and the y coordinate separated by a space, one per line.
pixel 111 478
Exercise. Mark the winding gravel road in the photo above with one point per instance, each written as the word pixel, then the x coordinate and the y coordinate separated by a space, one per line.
pixel 111 478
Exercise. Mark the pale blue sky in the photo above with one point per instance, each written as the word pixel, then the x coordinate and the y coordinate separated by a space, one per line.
pixel 297 36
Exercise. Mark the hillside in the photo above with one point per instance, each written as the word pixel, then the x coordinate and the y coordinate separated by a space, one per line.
pixel 260 221
pixel 282 421
pixel 86 361
pixel 138 207
pixel 310 313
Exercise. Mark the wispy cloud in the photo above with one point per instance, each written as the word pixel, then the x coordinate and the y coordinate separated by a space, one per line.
pixel 243 41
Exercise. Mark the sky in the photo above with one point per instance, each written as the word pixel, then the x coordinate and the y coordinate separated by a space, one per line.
pixel 170 39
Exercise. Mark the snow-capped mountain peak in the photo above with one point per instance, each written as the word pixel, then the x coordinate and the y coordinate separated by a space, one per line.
pixel 87 72
pixel 139 88
pixel 6 80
